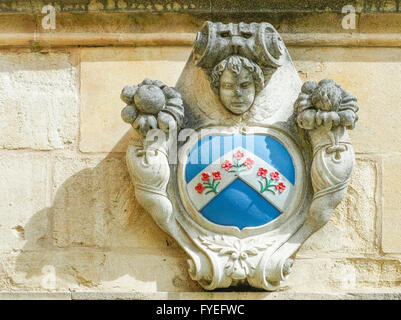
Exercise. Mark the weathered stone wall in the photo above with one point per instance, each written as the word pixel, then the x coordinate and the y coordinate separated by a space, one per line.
pixel 66 201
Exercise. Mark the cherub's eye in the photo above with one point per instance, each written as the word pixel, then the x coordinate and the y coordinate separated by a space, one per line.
pixel 245 84
pixel 227 86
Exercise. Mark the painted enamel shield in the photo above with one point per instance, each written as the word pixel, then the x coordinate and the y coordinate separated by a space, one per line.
pixel 238 178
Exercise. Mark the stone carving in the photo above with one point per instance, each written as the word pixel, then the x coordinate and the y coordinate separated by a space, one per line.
pixel 151 105
pixel 237 80
pixel 259 42
pixel 237 265
pixel 253 164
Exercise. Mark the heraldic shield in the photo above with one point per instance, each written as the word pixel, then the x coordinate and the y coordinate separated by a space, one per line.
pixel 238 180
pixel 239 162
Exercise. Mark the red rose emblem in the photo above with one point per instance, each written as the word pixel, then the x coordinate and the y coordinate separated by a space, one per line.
pixel 216 175
pixel 275 175
pixel 249 163
pixel 238 155
pixel 262 172
pixel 280 187
pixel 199 187
pixel 205 176
pixel 226 165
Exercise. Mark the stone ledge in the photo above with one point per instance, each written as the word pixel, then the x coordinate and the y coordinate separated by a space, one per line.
pixel 32 295
pixel 215 6
pixel 65 39
pixel 232 296
pixel 207 296
pixel 83 295
pixel 89 27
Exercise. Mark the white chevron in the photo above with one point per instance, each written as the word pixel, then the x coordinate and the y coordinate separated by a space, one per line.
pixel 249 176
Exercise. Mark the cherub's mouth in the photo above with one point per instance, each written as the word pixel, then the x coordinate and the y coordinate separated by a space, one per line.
pixel 237 104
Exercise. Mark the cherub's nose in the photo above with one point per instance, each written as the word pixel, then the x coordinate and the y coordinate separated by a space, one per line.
pixel 237 42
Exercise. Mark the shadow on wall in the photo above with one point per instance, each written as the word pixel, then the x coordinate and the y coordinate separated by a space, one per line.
pixel 96 236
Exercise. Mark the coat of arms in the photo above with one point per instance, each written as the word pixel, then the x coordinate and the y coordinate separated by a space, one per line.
pixel 240 162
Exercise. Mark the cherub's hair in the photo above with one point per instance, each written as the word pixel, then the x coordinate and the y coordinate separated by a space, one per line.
pixel 235 64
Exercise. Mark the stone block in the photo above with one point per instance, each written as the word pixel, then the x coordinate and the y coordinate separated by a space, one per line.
pixel 104 73
pixel 83 269
pixel 24 194
pixel 351 229
pixel 352 274
pixel 391 219
pixel 94 205
pixel 49 269
pixel 391 180
pixel 391 230
pixel 376 23
pixel 38 101
pixel 89 195
pixel 146 272
pixel 362 71
pixel 17 23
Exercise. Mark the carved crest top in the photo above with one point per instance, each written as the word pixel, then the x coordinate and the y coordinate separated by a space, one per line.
pixel 259 42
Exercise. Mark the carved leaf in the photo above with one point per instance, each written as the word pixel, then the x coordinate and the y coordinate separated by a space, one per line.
pixel 237 245
pixel 258 245
pixel 218 244
pixel 229 267
pixel 224 245
pixel 252 251
pixel 224 251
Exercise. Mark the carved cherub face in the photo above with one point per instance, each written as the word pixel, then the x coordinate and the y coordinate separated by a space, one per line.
pixel 237 91
pixel 237 81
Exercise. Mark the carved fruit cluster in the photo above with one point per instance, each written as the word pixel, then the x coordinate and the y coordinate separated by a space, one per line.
pixel 325 104
pixel 152 104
